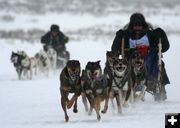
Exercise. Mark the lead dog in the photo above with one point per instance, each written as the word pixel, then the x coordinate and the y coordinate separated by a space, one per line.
pixel 121 83
pixel 94 85
pixel 70 83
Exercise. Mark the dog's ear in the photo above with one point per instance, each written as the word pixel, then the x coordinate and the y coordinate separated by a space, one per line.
pixel 98 62
pixel 79 64
pixel 107 52
pixel 88 62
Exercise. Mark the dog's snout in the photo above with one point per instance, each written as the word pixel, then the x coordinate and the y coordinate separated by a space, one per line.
pixel 120 64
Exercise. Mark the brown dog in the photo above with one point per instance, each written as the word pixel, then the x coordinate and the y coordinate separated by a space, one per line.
pixel 108 71
pixel 138 75
pixel 70 83
pixel 94 86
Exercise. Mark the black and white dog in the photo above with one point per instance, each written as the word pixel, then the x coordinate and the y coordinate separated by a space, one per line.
pixel 23 64
pixel 16 60
pixel 52 55
pixel 121 83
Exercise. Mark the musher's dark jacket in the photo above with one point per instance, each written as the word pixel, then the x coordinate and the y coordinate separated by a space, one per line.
pixel 58 42
pixel 153 37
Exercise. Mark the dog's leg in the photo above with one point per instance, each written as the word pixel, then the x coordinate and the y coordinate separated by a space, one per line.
pixel 117 100
pixel 97 107
pixel 106 102
pixel 64 100
pixel 120 101
pixel 111 97
pixel 63 104
pixel 84 101
pixel 127 95
pixel 91 102
pixel 131 91
pixel 125 101
pixel 19 72
pixel 31 73
pixel 141 95
pixel 75 107
pixel 143 98
pixel 105 106
pixel 71 102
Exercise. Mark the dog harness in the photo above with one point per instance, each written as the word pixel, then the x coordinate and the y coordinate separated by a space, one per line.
pixel 123 80
pixel 72 83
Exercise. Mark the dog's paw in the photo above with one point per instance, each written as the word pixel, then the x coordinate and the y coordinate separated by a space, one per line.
pixel 69 104
pixel 75 110
pixel 66 118
pixel 103 111
pixel 137 99
pixel 126 105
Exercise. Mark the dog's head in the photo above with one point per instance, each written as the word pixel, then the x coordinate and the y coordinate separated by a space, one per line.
pixel 14 57
pixel 42 56
pixel 93 70
pixel 137 60
pixel 23 54
pixel 110 57
pixel 73 69
pixel 120 66
pixel 51 53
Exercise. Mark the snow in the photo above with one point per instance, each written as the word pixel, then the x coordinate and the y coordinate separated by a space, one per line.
pixel 36 103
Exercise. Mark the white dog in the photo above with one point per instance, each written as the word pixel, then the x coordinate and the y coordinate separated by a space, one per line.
pixel 43 62
pixel 52 55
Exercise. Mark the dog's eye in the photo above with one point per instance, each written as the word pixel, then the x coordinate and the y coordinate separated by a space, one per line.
pixel 113 58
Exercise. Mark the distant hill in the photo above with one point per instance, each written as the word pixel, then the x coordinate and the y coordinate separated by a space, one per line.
pixel 84 6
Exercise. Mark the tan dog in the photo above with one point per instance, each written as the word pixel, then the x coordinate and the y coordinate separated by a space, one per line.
pixel 70 83
pixel 108 72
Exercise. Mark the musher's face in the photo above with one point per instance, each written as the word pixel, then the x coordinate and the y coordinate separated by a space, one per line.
pixel 137 28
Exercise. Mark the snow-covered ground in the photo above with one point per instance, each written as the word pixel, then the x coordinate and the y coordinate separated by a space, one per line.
pixel 36 103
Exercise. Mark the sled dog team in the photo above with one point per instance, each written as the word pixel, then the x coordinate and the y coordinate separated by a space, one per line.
pixel 119 80
pixel 41 62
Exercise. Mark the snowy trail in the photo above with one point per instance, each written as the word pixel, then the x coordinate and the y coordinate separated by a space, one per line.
pixel 37 104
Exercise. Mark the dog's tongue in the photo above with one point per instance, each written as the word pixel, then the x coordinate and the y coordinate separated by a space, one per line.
pixel 93 76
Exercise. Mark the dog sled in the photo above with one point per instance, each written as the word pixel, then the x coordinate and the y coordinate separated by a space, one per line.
pixel 155 85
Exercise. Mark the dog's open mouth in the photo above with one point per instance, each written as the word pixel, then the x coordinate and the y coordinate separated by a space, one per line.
pixel 74 75
pixel 93 76
pixel 121 68
pixel 139 63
